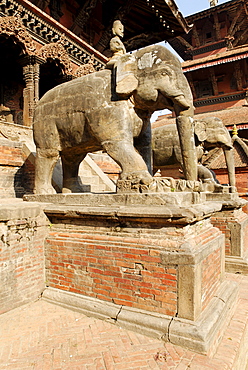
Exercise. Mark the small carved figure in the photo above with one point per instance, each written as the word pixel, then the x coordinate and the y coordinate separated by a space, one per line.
pixel 116 45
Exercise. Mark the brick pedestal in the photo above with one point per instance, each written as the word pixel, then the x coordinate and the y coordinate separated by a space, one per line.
pixel 22 233
pixel 234 225
pixel 158 270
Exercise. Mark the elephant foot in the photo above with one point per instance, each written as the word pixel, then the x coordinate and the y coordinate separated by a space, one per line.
pixel 72 185
pixel 134 182
pixel 138 177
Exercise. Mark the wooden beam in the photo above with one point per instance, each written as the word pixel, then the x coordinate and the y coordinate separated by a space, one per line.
pixel 214 81
pixel 244 33
pixel 84 14
pixel 217 26
pixel 185 43
pixel 234 21
pixel 196 37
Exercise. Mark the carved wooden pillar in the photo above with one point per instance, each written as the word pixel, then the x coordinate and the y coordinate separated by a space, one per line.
pixel 238 76
pixel 28 95
pixel 191 84
pixel 31 71
pixel 214 82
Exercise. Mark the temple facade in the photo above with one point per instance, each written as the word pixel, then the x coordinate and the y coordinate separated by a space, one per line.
pixel 215 52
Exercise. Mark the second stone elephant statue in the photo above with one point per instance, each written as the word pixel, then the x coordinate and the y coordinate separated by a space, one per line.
pixel 209 132
pixel 110 110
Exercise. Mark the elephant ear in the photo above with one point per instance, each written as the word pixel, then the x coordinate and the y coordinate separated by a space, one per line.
pixel 200 130
pixel 126 81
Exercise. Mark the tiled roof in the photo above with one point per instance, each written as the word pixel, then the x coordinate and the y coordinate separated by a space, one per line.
pixel 219 58
pixel 215 158
pixel 231 116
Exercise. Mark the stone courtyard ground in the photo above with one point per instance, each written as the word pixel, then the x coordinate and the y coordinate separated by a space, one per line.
pixel 43 336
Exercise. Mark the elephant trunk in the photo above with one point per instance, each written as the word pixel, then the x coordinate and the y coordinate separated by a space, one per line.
pixel 187 143
pixel 229 156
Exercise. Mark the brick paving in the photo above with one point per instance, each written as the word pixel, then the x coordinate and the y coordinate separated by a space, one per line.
pixel 43 336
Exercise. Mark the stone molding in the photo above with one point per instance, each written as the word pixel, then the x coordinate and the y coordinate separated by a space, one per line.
pixel 200 335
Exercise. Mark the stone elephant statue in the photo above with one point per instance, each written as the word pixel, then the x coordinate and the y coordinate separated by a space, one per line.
pixel 110 110
pixel 209 132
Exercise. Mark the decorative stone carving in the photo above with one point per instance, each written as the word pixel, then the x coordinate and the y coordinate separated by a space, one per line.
pixel 116 45
pixel 86 69
pixel 13 26
pixel 99 112
pixel 57 52
pixel 168 185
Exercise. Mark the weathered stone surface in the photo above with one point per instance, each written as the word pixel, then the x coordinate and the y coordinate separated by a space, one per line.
pixel 23 210
pixel 89 199
pixel 71 123
pixel 197 335
pixel 211 131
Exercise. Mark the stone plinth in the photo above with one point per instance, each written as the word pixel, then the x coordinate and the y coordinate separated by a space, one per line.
pixel 23 228
pixel 234 225
pixel 153 263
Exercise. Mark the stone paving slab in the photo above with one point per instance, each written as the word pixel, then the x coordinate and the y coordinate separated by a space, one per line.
pixel 43 336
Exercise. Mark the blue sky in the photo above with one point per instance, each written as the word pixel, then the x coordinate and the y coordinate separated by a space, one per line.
pixel 188 7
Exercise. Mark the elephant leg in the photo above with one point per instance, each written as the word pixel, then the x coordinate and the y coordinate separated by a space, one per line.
pixel 143 145
pixel 131 162
pixel 229 156
pixel 45 162
pixel 186 136
pixel 71 181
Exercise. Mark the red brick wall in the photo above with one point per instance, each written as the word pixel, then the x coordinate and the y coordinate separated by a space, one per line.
pixel 211 268
pixel 130 268
pixel 223 220
pixel 121 270
pixel 21 262
pixel 16 171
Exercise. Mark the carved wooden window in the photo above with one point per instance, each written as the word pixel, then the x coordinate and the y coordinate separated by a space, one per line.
pixel 203 89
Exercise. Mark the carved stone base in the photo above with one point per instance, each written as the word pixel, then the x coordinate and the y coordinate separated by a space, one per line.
pixel 169 184
pixel 157 269
pixel 202 335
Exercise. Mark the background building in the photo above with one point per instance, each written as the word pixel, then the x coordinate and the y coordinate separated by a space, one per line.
pixel 215 52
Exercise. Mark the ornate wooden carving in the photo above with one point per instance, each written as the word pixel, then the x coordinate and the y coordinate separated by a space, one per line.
pixel 192 86
pixel 84 13
pixel 28 95
pixel 31 72
pixel 56 52
pixel 184 42
pixel 238 76
pixel 234 21
pixel 12 26
pixel 85 69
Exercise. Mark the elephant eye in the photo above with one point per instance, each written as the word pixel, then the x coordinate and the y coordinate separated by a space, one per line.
pixel 163 73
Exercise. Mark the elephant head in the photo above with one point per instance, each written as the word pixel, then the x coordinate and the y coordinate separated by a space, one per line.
pixel 213 133
pixel 154 80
